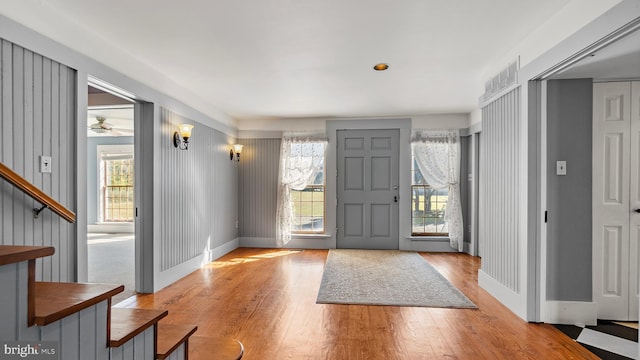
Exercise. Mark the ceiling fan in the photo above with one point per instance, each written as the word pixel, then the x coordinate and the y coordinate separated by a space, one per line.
pixel 101 126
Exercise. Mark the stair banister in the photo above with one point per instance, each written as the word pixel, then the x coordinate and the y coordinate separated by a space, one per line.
pixel 37 194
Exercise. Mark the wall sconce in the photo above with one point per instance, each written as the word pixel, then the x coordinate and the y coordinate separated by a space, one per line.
pixel 237 148
pixel 181 137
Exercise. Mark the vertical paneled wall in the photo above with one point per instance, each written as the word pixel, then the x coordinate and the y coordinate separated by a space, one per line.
pixel 258 188
pixel 500 190
pixel 37 117
pixel 199 189
pixel 225 184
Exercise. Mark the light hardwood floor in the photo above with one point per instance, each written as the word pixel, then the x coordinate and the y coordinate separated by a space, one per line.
pixel 266 299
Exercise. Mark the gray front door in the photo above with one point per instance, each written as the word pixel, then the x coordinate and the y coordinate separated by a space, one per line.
pixel 367 189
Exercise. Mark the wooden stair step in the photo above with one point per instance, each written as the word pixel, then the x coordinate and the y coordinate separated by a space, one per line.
pixel 171 336
pixel 214 348
pixel 127 323
pixel 54 301
pixel 13 254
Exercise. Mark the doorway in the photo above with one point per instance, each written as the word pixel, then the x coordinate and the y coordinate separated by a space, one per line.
pixel 570 270
pixel 111 205
pixel 367 189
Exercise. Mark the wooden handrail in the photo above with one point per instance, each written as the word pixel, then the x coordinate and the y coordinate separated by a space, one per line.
pixel 37 194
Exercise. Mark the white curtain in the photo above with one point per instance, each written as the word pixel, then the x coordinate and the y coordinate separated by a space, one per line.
pixel 437 153
pixel 301 157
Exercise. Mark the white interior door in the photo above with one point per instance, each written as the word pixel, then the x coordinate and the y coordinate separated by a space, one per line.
pixel 616 157
pixel 367 213
pixel 634 226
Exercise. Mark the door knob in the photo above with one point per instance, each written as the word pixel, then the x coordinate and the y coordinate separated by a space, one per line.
pixel 636 211
pixel 395 199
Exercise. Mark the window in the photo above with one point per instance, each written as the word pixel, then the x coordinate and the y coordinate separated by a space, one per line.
pixel 116 185
pixel 309 203
pixel 301 185
pixel 428 206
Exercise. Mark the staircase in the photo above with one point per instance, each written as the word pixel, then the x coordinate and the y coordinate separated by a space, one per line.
pixel 73 321
pixel 77 320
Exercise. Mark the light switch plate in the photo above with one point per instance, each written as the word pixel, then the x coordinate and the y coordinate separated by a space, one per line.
pixel 561 168
pixel 45 164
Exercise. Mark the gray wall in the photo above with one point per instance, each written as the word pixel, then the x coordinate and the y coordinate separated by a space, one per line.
pixel 258 184
pixel 37 117
pixel 92 170
pixel 199 192
pixel 569 138
pixel 257 195
pixel 464 187
pixel 498 213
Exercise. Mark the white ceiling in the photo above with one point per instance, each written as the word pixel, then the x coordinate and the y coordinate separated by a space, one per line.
pixel 619 60
pixel 257 59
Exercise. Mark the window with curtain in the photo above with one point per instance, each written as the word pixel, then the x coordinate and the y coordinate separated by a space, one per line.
pixel 428 206
pixel 301 201
pixel 436 208
pixel 309 203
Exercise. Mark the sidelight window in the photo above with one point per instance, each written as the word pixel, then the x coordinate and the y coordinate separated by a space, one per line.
pixel 428 206
pixel 435 205
pixel 309 207
pixel 301 186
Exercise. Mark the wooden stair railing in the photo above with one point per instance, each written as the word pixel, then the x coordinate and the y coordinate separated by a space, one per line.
pixel 29 189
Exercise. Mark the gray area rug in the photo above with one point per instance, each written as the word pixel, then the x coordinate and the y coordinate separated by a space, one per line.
pixel 386 277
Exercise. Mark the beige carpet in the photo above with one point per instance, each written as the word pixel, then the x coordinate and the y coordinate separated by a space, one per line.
pixel 111 261
pixel 386 277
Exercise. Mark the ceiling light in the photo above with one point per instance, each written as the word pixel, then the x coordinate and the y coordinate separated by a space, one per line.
pixel 380 67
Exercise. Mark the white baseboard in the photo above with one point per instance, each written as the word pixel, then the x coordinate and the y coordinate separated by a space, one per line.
pixel 509 298
pixel 168 277
pixel 579 313
pixel 257 242
pixel 328 242
pixel 320 242
pixel 440 245
pixel 111 228
pixel 213 254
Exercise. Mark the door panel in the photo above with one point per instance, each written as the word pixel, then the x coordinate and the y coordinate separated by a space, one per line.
pixel 634 202
pixel 381 173
pixel 612 192
pixel 354 178
pixel 611 261
pixel 354 213
pixel 613 157
pixel 367 214
pixel 380 215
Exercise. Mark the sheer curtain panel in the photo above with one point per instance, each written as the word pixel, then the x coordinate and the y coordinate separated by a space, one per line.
pixel 437 154
pixel 301 157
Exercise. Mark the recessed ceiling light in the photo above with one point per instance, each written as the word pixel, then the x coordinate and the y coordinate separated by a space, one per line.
pixel 380 67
